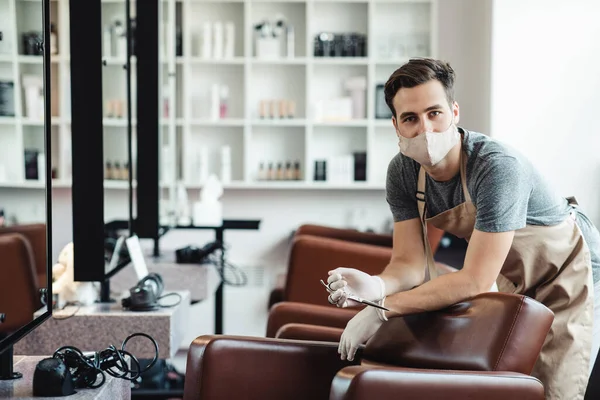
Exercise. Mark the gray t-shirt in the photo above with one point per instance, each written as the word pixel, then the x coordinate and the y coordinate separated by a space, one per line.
pixel 507 191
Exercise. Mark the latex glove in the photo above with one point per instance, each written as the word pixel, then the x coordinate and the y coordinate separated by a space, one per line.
pixel 346 281
pixel 359 329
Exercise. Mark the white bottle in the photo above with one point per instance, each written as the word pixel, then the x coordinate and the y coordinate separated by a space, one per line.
pixel 226 164
pixel 207 41
pixel 218 40
pixel 229 40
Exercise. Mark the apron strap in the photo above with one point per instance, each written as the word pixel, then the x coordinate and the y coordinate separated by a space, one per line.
pixel 422 206
pixel 430 268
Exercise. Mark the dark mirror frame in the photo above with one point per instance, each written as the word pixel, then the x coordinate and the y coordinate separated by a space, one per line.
pixel 46 295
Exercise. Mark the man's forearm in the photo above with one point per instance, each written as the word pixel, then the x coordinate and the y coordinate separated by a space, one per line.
pixel 433 295
pixel 399 277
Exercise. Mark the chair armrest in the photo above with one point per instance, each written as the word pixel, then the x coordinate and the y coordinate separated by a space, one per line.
pixel 230 367
pixel 301 313
pixel 368 382
pixel 312 257
pixel 309 332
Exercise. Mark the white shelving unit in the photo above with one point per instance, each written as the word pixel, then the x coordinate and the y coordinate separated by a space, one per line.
pixel 395 30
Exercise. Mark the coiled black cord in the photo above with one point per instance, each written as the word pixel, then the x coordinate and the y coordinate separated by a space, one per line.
pixel 85 369
pixel 239 276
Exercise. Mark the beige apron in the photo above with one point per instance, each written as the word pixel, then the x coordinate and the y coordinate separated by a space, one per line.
pixel 550 264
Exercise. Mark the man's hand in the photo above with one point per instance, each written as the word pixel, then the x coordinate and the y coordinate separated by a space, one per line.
pixel 359 329
pixel 345 281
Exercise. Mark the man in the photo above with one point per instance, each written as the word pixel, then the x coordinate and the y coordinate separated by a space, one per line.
pixel 521 235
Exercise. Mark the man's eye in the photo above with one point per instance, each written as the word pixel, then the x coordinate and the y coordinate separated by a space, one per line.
pixel 409 119
pixel 435 113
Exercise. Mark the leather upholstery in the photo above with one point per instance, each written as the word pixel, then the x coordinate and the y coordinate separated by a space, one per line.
pixel 366 383
pixel 36 235
pixel 229 367
pixel 497 334
pixel 331 247
pixel 487 333
pixel 288 312
pixel 348 235
pixel 19 293
pixel 312 257
pixel 309 332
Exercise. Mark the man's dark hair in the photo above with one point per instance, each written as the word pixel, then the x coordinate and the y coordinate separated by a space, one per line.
pixel 416 72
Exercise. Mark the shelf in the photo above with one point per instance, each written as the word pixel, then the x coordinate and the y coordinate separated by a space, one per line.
pixel 201 61
pixel 340 60
pixel 279 61
pixel 344 123
pixel 395 30
pixel 279 122
pixel 218 122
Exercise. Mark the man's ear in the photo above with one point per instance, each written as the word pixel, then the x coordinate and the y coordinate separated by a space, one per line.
pixel 456 112
pixel 395 122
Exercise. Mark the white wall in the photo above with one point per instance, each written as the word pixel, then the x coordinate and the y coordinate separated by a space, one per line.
pixel 546 90
pixel 464 41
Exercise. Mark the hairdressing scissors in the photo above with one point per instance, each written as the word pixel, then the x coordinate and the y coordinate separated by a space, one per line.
pixel 356 298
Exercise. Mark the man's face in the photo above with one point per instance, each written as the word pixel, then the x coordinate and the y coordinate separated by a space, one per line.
pixel 423 108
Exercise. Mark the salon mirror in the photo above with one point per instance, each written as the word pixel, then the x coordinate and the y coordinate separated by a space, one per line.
pixel 27 162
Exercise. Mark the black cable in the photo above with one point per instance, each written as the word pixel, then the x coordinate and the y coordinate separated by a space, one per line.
pixel 241 279
pixel 168 295
pixel 86 369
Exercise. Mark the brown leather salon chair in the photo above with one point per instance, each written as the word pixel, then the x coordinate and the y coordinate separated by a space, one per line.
pixel 316 249
pixel 19 292
pixel 36 236
pixel 484 348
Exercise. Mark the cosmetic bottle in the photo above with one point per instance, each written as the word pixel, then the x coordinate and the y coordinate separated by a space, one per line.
pixel 165 96
pixel 291 109
pixel 53 40
pixel 116 172
pixel 283 109
pixel 289 172
pixel 229 49
pixel 272 109
pixel 125 172
pixel 224 102
pixel 280 172
pixel 297 171
pixel 218 40
pixel 261 172
pixel 120 39
pixel 207 41
pixel 225 164
pixel 108 171
pixel 270 172
pixel 262 110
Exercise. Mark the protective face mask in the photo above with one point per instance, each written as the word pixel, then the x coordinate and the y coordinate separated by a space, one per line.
pixel 429 148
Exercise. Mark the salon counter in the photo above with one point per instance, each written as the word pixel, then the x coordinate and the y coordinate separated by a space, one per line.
pixel 95 327
pixel 113 388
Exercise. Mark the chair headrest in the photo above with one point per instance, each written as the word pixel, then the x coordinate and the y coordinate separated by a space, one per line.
pixel 490 332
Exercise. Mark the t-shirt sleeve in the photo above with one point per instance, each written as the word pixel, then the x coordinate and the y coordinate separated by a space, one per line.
pixel 502 195
pixel 399 196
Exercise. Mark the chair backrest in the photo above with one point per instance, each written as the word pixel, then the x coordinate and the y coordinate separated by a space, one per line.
pixel 36 235
pixel 312 257
pixel 19 294
pixel 491 332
